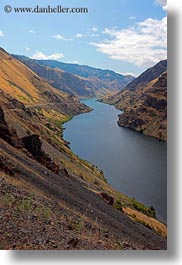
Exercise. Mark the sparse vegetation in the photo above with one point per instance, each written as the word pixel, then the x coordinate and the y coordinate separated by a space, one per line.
pixel 118 205
pixel 119 245
pixel 24 205
pixel 7 199
pixel 149 211
pixel 147 221
pixel 76 225
pixel 43 212
pixel 59 123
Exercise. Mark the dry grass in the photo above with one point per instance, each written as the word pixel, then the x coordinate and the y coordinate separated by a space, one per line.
pixel 147 221
pixel 25 85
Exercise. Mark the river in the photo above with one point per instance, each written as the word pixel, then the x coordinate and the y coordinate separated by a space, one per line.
pixel 134 164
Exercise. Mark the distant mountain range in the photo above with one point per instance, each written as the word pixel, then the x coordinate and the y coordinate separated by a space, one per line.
pixel 144 102
pixel 79 80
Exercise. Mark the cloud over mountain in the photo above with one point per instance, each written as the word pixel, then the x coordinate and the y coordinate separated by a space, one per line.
pixel 41 56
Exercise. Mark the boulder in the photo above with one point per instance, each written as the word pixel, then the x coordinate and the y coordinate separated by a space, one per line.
pixel 33 144
pixel 107 198
pixel 6 133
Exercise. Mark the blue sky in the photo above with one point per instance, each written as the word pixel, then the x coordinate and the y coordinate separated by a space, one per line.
pixel 126 36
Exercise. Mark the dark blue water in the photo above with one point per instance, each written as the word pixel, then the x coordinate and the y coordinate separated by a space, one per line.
pixel 134 164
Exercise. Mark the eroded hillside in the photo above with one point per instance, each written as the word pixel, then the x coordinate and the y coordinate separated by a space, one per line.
pixel 144 103
pixel 79 80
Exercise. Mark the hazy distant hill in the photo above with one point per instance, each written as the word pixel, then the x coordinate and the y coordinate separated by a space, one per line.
pixel 87 71
pixel 79 80
pixel 144 102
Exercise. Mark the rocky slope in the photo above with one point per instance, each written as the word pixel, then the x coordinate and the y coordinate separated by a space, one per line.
pixel 144 102
pixel 148 75
pixel 24 86
pixel 49 197
pixel 82 81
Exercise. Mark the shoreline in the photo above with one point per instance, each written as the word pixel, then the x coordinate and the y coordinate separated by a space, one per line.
pixel 129 198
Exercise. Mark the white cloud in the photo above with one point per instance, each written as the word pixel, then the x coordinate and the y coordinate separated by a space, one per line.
pixel 32 31
pixel 144 44
pixel 162 3
pixel 75 62
pixel 128 73
pixel 41 56
pixel 60 37
pixel 27 49
pixel 1 33
pixel 79 35
pixel 94 29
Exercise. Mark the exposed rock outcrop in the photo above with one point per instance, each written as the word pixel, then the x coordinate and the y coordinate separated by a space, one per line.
pixel 34 145
pixel 148 111
pixel 6 133
pixel 144 102
pixel 107 198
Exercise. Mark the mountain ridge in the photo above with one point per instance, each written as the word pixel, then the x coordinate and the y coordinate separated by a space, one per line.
pixel 82 70
pixel 79 80
pixel 149 74
pixel 144 102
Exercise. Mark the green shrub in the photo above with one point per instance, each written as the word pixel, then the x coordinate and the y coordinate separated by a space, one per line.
pixel 118 205
pixel 24 205
pixel 8 200
pixel 149 211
